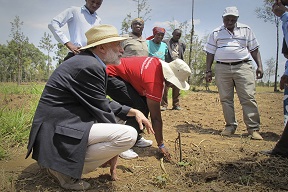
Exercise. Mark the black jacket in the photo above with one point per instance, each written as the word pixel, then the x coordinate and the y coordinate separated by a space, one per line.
pixel 73 99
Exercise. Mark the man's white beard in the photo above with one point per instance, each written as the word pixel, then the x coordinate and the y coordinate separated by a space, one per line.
pixel 111 57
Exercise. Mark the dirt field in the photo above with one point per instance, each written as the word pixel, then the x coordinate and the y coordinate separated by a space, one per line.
pixel 210 162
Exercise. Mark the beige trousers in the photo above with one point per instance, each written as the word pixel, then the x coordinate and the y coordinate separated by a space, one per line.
pixel 240 77
pixel 105 141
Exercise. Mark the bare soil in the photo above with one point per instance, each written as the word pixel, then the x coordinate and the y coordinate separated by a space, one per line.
pixel 210 162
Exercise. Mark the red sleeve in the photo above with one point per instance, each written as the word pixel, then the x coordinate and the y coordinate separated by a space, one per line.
pixel 111 70
pixel 154 91
pixel 154 82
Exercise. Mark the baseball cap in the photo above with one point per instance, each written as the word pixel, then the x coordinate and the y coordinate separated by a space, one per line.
pixel 231 11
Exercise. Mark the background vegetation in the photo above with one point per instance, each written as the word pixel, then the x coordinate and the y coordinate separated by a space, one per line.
pixel 22 62
pixel 17 107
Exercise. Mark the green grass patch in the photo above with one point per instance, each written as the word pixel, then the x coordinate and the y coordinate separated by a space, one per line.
pixel 15 125
pixel 29 88
pixel 16 115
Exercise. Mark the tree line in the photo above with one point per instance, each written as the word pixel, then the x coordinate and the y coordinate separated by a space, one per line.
pixel 22 61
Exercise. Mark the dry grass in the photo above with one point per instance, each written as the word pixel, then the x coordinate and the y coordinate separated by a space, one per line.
pixel 209 162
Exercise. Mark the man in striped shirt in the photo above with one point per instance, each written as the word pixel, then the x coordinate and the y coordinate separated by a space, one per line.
pixel 231 46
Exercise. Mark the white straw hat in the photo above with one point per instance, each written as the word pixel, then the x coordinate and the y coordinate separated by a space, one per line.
pixel 102 34
pixel 177 73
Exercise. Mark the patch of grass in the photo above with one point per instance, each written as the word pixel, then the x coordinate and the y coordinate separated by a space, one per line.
pixel 12 88
pixel 260 89
pixel 15 125
pixel 16 115
pixel 161 181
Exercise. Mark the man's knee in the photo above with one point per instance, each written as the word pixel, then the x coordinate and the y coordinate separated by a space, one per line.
pixel 134 133
pixel 130 135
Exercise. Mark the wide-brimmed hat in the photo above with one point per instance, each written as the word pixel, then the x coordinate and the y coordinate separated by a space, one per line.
pixel 102 34
pixel 177 73
pixel 231 11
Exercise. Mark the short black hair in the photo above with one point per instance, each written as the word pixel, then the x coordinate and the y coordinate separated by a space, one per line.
pixel 177 30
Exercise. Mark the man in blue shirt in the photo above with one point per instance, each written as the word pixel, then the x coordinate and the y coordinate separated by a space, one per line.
pixel 281 147
pixel 79 20
pixel 285 99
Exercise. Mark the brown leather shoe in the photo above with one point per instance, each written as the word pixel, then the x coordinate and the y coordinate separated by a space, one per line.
pixel 255 135
pixel 68 182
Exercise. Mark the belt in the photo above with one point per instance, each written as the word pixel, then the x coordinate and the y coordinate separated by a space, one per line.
pixel 233 63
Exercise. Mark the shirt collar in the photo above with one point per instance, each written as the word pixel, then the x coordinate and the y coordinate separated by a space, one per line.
pixel 100 61
pixel 136 37
pixel 236 26
pixel 84 8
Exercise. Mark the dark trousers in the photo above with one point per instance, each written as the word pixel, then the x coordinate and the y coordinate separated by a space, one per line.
pixel 175 96
pixel 123 92
pixel 282 144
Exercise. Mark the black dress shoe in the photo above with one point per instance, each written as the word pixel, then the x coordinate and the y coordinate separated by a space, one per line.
pixel 274 153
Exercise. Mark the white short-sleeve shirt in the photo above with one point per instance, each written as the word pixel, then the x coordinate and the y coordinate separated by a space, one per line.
pixel 229 47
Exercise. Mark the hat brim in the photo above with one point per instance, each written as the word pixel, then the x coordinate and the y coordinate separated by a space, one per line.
pixel 170 76
pixel 226 14
pixel 104 41
pixel 180 84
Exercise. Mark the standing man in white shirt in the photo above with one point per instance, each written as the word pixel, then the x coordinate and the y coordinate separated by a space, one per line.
pixel 231 46
pixel 79 20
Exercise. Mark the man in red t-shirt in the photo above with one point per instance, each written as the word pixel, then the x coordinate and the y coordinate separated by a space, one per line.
pixel 139 83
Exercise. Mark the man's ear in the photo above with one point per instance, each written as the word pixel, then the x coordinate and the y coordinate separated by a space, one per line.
pixel 98 49
pixel 101 49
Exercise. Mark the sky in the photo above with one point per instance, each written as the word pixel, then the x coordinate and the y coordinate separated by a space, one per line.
pixel 36 14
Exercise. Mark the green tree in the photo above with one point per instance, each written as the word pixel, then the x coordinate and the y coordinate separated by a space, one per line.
pixel 19 40
pixel 143 11
pixel 270 69
pixel 265 13
pixel 183 26
pixel 32 59
pixel 126 23
pixel 34 62
pixel 47 45
pixel 198 59
pixel 198 63
pixel 61 52
pixel 4 68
